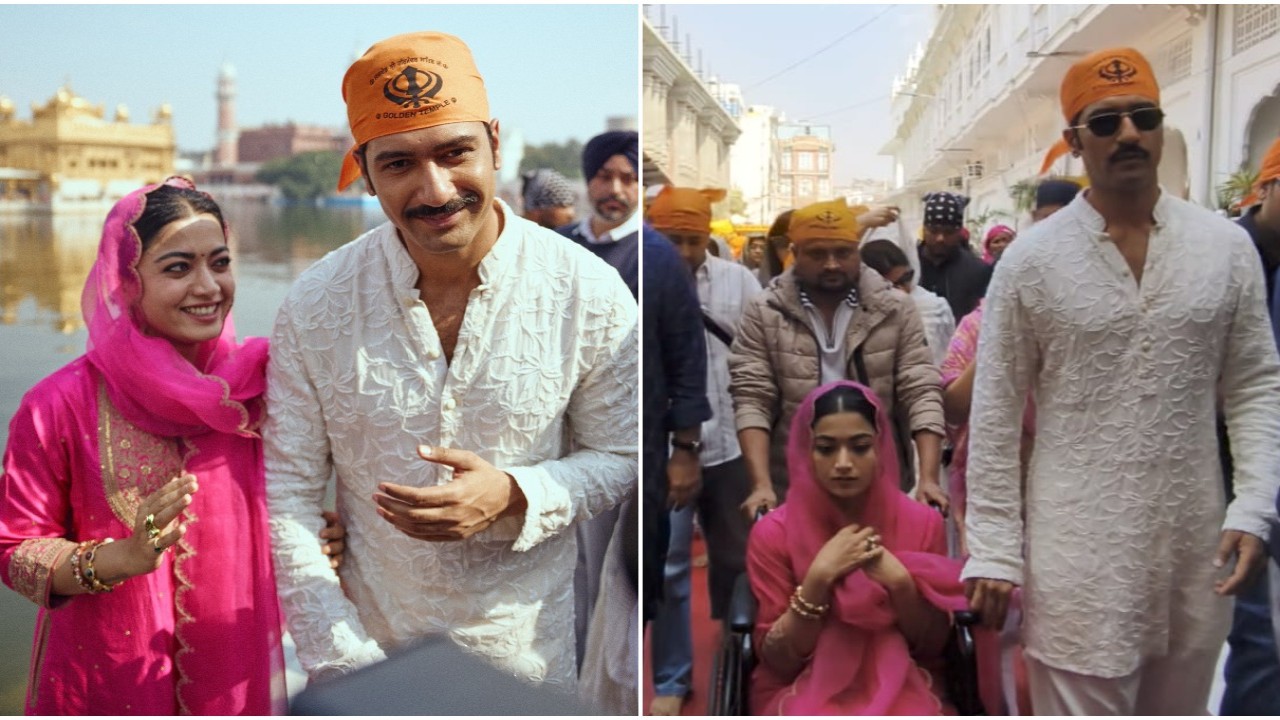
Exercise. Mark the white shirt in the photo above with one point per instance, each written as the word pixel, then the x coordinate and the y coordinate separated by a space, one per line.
pixel 628 226
pixel 1124 495
pixel 724 288
pixel 939 323
pixel 546 359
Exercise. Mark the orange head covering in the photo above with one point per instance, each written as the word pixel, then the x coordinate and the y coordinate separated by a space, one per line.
pixel 831 220
pixel 1056 151
pixel 1104 74
pixel 409 82
pixel 1269 171
pixel 683 209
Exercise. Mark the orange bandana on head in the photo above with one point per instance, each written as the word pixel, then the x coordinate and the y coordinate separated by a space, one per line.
pixel 1270 170
pixel 409 82
pixel 683 209
pixel 1104 74
pixel 831 220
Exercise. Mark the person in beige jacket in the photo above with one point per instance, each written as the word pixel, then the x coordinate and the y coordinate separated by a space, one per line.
pixel 827 319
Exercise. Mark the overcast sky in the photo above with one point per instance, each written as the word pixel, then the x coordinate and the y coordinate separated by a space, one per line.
pixel 290 59
pixel 846 86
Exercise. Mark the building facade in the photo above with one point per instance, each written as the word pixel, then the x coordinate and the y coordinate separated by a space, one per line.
pixel 977 107
pixel 804 165
pixel 70 151
pixel 271 142
pixel 687 134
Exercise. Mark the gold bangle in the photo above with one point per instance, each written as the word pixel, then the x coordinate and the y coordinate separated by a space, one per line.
pixel 814 609
pixel 90 575
pixel 76 570
pixel 799 610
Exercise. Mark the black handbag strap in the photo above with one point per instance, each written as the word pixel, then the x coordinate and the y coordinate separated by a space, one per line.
pixel 716 329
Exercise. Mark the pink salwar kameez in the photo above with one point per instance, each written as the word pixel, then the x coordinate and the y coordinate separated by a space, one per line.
pixel 202 633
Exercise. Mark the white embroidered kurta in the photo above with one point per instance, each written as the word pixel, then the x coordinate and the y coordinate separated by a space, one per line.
pixel 546 359
pixel 1124 497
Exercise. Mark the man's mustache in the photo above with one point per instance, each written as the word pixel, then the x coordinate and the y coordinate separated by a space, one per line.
pixel 453 206
pixel 616 198
pixel 1129 152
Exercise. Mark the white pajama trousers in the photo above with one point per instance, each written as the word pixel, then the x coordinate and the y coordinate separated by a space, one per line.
pixel 1173 685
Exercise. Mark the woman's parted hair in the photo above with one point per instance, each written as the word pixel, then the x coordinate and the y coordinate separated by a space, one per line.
pixel 843 399
pixel 168 203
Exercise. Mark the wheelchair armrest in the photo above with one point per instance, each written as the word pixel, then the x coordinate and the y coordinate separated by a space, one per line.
pixel 741 617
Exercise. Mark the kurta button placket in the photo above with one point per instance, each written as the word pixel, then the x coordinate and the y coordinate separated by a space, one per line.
pixel 449 404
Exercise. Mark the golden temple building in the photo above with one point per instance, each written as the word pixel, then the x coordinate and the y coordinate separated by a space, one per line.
pixel 69 151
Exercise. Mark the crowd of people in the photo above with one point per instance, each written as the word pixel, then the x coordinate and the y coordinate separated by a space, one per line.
pixel 1021 424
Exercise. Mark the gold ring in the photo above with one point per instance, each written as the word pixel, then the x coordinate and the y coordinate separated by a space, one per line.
pixel 153 532
pixel 871 544
pixel 156 545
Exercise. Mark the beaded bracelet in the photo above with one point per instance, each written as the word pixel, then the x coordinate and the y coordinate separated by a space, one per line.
pixel 98 586
pixel 798 609
pixel 813 609
pixel 75 565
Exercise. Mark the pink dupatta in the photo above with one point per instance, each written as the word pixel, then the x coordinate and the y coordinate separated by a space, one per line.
pixel 861 664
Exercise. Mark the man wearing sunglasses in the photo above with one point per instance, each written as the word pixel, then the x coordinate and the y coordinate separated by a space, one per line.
pixel 1129 312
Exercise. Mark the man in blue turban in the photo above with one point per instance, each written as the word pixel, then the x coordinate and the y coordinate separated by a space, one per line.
pixel 610 165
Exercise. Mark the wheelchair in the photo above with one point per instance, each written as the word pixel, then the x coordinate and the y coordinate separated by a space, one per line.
pixel 736 659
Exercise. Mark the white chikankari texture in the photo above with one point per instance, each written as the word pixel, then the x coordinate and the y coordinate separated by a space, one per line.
pixel 1124 498
pixel 542 384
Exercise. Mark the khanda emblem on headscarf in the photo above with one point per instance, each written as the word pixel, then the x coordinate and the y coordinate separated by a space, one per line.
pixel 1117 71
pixel 413 87
pixel 827 218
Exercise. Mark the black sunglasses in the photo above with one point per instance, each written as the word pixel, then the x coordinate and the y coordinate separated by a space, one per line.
pixel 1108 123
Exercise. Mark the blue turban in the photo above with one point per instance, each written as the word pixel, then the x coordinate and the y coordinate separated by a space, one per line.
pixel 605 145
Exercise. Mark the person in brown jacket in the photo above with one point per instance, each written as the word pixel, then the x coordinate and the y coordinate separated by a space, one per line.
pixel 827 319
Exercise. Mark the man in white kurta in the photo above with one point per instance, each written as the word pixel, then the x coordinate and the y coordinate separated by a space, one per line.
pixel 1115 535
pixel 545 359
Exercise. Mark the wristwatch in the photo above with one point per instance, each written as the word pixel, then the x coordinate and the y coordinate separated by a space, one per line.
pixel 693 446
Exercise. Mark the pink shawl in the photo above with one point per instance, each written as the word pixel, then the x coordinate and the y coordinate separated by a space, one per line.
pixel 861 665
pixel 201 634
pixel 221 392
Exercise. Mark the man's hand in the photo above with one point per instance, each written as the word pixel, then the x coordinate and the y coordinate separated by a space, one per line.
pixel 990 599
pixel 684 478
pixel 761 497
pixel 932 492
pixel 479 496
pixel 1251 557
pixel 878 216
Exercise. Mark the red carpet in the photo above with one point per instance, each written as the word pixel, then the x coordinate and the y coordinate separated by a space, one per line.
pixel 704 643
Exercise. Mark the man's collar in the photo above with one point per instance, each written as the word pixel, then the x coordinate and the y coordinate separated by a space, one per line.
pixel 628 226
pixel 850 298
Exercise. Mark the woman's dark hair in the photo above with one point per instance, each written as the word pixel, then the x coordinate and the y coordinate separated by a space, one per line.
pixel 780 224
pixel 843 399
pixel 775 243
pixel 168 203
pixel 883 255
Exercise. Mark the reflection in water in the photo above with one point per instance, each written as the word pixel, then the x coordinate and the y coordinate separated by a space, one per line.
pixel 46 257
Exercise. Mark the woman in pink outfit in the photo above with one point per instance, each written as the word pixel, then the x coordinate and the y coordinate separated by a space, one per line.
pixel 854 587
pixel 997 239
pixel 133 508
